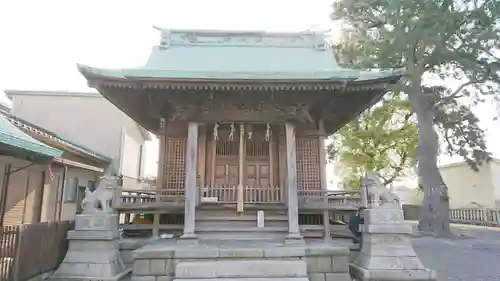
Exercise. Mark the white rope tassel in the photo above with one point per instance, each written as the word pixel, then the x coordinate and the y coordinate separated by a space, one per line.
pixel 231 134
pixel 216 131
pixel 250 135
pixel 268 132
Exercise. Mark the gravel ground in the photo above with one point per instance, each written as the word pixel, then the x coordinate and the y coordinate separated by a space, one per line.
pixel 474 257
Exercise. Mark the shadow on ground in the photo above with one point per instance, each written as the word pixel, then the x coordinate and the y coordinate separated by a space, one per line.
pixel 475 256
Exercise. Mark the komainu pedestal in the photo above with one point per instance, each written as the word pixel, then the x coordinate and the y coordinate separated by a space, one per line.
pixel 94 252
pixel 386 251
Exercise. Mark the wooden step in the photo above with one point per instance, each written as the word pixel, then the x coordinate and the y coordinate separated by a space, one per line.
pixel 243 229
pixel 238 223
pixel 240 218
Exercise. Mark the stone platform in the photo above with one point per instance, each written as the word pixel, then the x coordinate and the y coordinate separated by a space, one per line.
pixel 168 260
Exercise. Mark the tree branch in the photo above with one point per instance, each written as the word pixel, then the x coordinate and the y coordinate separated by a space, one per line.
pixel 456 93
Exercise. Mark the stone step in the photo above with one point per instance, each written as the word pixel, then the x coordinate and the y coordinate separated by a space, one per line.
pixel 238 269
pixel 248 279
pixel 267 232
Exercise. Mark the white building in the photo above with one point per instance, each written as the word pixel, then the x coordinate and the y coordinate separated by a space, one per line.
pixel 92 121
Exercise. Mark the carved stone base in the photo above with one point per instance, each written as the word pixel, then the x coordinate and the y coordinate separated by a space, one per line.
pixel 386 252
pixel 94 252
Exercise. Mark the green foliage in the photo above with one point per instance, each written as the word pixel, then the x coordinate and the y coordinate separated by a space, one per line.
pixel 382 139
pixel 450 50
pixel 451 45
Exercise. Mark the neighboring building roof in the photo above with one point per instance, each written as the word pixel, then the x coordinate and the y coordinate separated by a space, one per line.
pixel 52 93
pixel 5 106
pixel 13 136
pixel 240 55
pixel 68 145
pixel 145 133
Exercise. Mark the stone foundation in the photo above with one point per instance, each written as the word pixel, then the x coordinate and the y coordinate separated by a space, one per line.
pixel 157 261
pixel 127 248
pixel 93 252
pixel 386 252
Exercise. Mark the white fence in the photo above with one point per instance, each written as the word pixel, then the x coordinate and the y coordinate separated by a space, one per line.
pixel 489 217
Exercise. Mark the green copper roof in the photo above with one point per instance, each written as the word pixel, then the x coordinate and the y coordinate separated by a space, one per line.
pixel 12 136
pixel 347 74
pixel 209 54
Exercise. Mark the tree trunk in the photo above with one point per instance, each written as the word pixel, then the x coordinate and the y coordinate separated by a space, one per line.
pixel 434 218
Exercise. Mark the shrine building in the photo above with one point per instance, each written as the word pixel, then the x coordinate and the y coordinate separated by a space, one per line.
pixel 241 118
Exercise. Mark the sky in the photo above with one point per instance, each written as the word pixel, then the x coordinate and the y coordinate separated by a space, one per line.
pixel 41 41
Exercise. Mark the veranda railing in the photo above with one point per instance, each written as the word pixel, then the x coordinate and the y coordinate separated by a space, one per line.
pixel 251 194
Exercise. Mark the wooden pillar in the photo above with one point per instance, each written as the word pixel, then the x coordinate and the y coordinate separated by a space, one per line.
pixel 322 171
pixel 4 191
pixel 162 139
pixel 213 156
pixel 190 182
pixel 36 212
pixel 291 180
pixel 160 183
pixel 271 160
pixel 201 163
pixel 241 153
pixel 322 154
pixel 60 194
pixel 281 153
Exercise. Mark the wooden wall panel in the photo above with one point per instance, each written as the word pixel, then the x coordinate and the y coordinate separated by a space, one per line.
pixel 281 157
pixel 202 147
pixel 175 163
pixel 174 154
pixel 162 148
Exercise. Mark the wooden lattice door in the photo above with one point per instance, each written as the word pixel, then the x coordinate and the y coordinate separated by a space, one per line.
pixel 226 172
pixel 308 175
pixel 226 160
pixel 258 174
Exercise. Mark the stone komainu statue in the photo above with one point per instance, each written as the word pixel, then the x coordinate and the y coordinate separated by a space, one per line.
pixel 100 200
pixel 378 194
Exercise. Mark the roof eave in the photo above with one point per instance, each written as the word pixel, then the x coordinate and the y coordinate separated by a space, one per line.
pixel 122 75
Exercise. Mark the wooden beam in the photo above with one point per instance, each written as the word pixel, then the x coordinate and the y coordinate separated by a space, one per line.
pixel 78 164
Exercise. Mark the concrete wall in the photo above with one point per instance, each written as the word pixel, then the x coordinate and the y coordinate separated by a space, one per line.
pixel 55 207
pixel 89 120
pixel 495 178
pixel 468 188
pixel 408 196
pixel 69 209
pixel 132 164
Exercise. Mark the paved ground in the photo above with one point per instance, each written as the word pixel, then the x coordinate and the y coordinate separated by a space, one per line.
pixel 475 257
